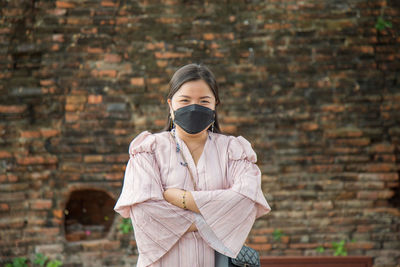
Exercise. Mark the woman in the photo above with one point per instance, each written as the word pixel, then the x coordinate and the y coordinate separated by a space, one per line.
pixel 189 190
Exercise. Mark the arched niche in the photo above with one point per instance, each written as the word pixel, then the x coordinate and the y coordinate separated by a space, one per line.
pixel 88 214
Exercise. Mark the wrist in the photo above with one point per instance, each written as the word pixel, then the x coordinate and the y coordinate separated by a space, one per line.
pixel 184 200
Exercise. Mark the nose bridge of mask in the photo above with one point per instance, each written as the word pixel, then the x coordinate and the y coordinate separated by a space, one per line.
pixel 193 107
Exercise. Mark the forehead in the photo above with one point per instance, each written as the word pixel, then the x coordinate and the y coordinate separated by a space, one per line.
pixel 194 89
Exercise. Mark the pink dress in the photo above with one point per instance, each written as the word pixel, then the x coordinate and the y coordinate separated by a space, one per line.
pixel 229 198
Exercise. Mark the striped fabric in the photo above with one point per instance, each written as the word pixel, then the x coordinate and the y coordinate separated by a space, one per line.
pixel 229 198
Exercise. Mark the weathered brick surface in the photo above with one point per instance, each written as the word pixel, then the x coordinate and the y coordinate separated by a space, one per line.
pixel 312 84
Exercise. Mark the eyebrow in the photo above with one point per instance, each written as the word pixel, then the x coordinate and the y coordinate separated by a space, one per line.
pixel 186 96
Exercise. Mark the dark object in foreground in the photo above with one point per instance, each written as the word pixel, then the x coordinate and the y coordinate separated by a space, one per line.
pixel 316 261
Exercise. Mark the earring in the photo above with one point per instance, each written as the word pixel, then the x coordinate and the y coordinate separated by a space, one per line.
pixel 212 127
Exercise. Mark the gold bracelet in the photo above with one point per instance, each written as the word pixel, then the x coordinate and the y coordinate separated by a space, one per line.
pixel 184 200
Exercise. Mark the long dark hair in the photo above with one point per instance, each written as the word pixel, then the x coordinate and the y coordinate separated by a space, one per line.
pixel 193 72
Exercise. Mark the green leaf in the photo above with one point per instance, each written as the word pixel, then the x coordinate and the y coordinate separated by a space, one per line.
pixel 381 24
pixel 20 262
pixel 40 259
pixel 54 263
pixel 125 226
pixel 340 249
pixel 277 234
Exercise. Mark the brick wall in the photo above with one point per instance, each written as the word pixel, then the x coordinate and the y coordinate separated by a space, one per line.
pixel 312 84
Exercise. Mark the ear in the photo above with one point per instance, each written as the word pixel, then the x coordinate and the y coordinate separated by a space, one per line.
pixel 169 104
pixel 171 111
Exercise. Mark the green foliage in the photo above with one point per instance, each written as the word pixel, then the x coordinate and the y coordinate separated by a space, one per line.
pixel 125 226
pixel 18 262
pixel 340 249
pixel 40 260
pixel 320 249
pixel 277 234
pixel 381 24
pixel 54 263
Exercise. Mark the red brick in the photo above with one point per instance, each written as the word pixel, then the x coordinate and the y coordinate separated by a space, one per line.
pixel 34 160
pixel 259 239
pixel 261 247
pixel 78 21
pixel 5 30
pixel 304 246
pixel 4 207
pixel 380 167
pixel 57 11
pixel 30 134
pixel 76 99
pixel 361 245
pixel 367 49
pixel 229 36
pixel 169 55
pixel 373 195
pixel 159 123
pixel 5 154
pixel 112 58
pixel 108 3
pixel 343 132
pixel 71 117
pixel 235 119
pixel 95 50
pixel 49 132
pixel 41 204
pixel 229 128
pixel 208 36
pixel 63 4
pixel 58 38
pixel 165 20
pixel 333 108
pixel 12 108
pixel 364 228
pixel 95 99
pixel 55 47
pixel 309 126
pixel 162 63
pixel 382 148
pixel 353 141
pixel 276 26
pixel 93 158
pixel 58 213
pixel 46 82
pixel 104 73
pixel 285 239
pixel 155 80
pixel 139 81
pixel 114 176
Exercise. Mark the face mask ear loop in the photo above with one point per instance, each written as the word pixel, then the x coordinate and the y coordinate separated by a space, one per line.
pixel 172 121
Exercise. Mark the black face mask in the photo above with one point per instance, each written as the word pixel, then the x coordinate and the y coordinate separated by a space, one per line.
pixel 194 118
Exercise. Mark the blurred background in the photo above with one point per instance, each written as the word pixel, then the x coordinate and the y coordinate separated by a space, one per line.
pixel 313 85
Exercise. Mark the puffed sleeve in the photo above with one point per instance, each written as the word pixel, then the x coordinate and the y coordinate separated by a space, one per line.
pixel 157 224
pixel 228 215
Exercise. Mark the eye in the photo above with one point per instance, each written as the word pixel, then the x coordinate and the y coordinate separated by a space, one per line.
pixel 184 100
pixel 205 102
